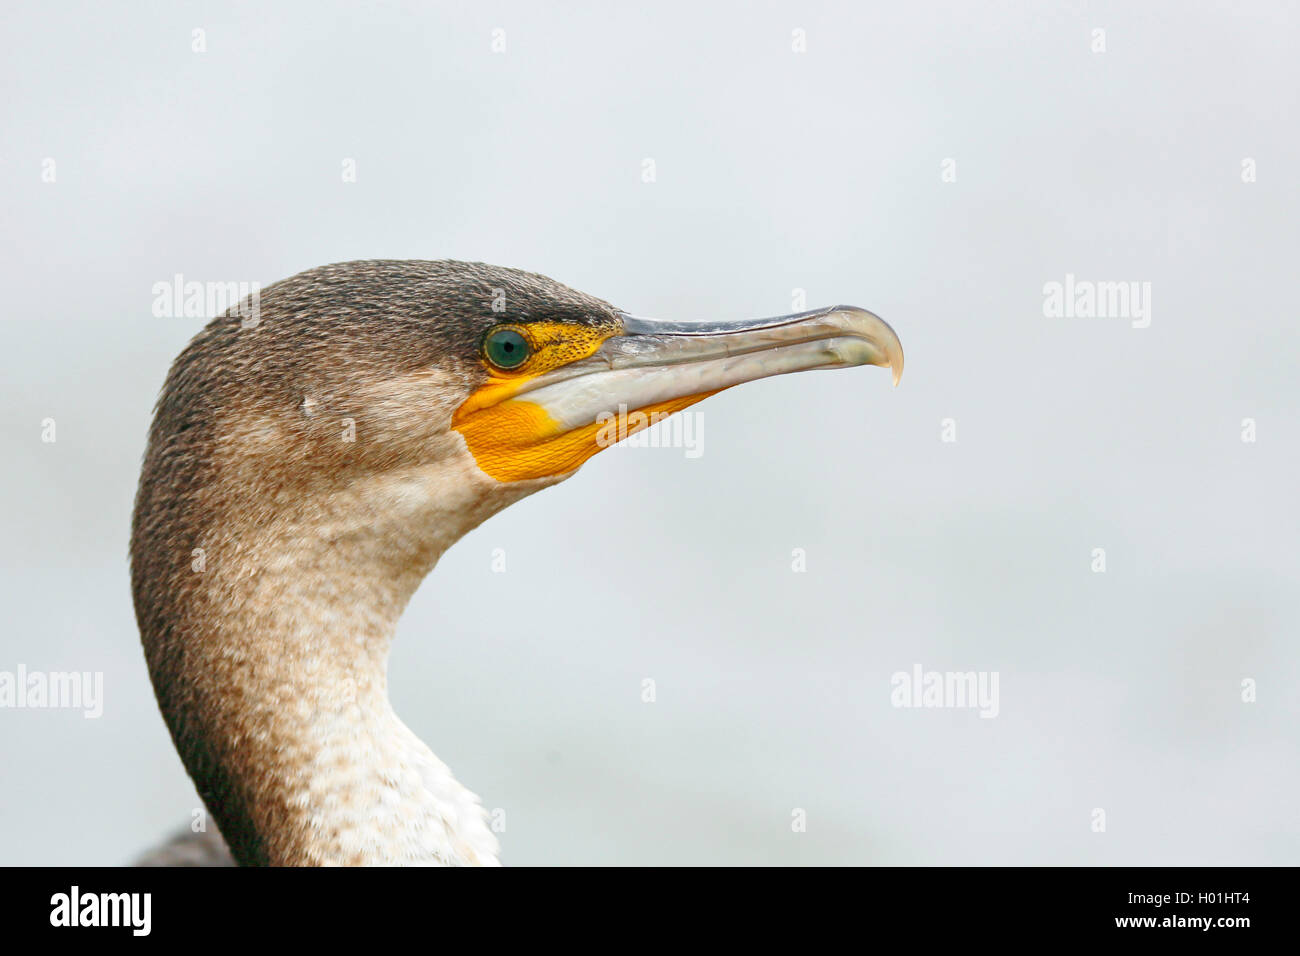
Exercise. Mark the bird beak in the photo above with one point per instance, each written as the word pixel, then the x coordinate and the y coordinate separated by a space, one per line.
pixel 552 423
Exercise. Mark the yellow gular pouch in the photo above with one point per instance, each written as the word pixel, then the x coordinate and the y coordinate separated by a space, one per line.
pixel 514 439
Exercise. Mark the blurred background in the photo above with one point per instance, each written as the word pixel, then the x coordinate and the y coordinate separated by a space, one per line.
pixel 940 164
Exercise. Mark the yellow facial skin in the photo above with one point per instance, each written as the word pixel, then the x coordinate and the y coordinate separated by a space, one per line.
pixel 515 439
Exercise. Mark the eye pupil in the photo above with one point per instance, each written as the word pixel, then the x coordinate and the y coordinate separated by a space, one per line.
pixel 506 348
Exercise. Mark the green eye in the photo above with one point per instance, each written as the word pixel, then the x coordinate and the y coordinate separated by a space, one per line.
pixel 506 348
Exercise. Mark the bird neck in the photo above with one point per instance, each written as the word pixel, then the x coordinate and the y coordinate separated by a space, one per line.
pixel 270 664
pixel 325 771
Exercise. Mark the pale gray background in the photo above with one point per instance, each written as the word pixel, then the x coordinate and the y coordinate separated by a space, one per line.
pixel 776 171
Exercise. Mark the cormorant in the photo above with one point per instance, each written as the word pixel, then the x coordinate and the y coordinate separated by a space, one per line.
pixel 307 466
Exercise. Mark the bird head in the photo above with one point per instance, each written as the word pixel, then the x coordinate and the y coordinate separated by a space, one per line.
pixel 394 396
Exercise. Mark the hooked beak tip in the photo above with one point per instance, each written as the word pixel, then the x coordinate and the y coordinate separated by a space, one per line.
pixel 886 349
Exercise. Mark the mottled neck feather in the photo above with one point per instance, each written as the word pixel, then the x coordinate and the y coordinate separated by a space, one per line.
pixel 269 660
pixel 298 713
